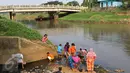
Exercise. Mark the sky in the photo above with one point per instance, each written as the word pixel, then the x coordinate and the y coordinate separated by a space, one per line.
pixel 32 2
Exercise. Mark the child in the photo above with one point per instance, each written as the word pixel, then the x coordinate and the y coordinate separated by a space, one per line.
pixel 44 39
pixel 19 58
pixel 59 50
pixel 59 71
pixel 50 56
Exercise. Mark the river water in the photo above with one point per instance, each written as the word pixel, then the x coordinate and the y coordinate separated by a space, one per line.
pixel 111 42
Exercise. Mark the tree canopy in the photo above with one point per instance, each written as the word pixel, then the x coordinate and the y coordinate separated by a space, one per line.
pixel 53 3
pixel 85 3
pixel 89 3
pixel 74 3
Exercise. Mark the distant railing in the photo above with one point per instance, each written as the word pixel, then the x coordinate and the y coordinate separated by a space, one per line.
pixel 41 6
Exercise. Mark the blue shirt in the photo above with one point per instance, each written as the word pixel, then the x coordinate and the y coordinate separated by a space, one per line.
pixel 59 49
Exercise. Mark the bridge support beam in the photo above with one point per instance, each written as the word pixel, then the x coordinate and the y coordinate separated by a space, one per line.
pixel 12 15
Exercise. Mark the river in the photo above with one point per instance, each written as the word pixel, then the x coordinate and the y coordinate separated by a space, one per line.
pixel 111 42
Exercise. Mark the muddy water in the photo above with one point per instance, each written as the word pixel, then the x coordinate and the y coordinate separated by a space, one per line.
pixel 111 42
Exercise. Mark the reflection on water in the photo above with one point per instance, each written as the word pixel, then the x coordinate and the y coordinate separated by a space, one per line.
pixel 110 42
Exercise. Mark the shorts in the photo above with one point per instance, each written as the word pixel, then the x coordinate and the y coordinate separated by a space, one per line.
pixel 71 65
pixel 50 58
pixel 66 53
pixel 19 65
pixel 59 53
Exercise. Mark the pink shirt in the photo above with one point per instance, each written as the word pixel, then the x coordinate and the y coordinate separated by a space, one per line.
pixel 76 59
pixel 84 52
pixel 44 39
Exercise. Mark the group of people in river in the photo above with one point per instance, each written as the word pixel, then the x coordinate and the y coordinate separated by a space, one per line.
pixel 73 56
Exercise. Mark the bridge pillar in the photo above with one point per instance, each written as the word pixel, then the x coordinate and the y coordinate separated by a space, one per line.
pixel 56 16
pixel 53 15
pixel 12 15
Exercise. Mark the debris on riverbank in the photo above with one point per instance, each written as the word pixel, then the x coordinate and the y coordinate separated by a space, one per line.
pixel 53 66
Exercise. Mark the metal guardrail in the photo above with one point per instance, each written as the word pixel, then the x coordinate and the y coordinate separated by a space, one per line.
pixel 41 6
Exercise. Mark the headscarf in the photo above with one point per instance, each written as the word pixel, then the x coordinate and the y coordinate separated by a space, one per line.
pixel 91 53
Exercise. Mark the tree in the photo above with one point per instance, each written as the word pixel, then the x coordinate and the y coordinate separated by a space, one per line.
pixel 85 3
pixel 53 3
pixel 74 3
pixel 89 3
pixel 126 4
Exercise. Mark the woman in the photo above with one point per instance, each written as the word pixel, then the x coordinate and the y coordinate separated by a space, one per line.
pixel 66 48
pixel 72 49
pixel 91 56
pixel 81 54
pixel 76 60
pixel 45 38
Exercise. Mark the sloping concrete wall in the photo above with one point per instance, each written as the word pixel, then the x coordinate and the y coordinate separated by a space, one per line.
pixel 30 50
pixel 8 46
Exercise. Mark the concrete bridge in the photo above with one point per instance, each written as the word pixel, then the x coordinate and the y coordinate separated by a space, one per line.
pixel 51 9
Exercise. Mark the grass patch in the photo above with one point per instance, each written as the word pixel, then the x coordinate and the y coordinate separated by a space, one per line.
pixel 96 16
pixel 11 28
pixel 26 16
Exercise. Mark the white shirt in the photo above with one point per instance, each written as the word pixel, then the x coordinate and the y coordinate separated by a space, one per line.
pixel 19 57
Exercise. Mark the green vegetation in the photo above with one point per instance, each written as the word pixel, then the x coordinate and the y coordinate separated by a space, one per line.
pixel 11 28
pixel 96 16
pixel 52 3
pixel 74 3
pixel 26 16
pixel 90 3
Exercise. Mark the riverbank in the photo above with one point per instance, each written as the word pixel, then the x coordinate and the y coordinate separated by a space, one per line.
pixel 51 67
pixel 21 39
pixel 99 17
pixel 36 56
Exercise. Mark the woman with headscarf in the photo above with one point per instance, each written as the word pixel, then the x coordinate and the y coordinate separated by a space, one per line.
pixel 91 56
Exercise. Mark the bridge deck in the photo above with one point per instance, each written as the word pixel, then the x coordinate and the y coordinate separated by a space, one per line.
pixel 40 8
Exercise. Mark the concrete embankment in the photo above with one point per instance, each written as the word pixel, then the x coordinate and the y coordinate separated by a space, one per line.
pixel 31 50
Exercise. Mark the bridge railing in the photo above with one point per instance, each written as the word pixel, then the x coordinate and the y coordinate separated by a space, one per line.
pixel 41 6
